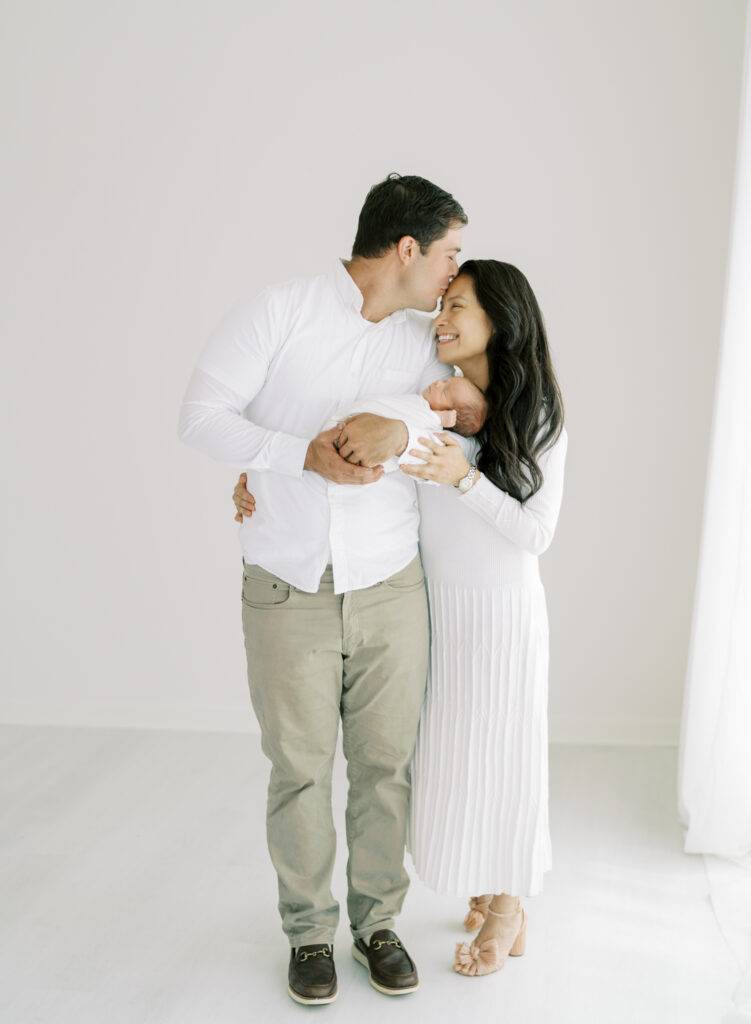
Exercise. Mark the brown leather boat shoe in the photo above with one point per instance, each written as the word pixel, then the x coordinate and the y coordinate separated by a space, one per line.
pixel 392 969
pixel 312 975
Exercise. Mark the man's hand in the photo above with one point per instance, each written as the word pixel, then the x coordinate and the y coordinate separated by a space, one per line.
pixel 369 440
pixel 323 458
pixel 244 501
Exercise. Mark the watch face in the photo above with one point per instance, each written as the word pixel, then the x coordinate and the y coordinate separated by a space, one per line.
pixel 466 483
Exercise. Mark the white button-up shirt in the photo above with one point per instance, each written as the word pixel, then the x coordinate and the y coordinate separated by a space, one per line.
pixel 269 378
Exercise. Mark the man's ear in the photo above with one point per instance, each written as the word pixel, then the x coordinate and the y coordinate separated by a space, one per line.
pixel 407 248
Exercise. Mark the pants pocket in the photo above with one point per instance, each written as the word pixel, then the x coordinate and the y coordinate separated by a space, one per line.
pixel 411 577
pixel 264 591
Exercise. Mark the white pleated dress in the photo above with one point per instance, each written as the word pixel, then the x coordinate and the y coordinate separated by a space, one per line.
pixel 479 813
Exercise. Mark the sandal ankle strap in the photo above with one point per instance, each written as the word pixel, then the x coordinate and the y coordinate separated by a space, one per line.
pixel 509 913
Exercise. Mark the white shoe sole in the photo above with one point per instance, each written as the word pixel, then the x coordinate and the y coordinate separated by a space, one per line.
pixel 362 959
pixel 312 1002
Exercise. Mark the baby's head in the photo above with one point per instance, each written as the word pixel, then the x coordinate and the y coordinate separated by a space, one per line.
pixel 460 395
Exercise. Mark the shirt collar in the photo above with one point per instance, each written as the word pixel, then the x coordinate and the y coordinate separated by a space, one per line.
pixel 351 295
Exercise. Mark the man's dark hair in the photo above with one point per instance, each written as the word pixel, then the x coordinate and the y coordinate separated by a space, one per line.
pixel 404 205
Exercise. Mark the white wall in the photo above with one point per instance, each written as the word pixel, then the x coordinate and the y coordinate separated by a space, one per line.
pixel 167 159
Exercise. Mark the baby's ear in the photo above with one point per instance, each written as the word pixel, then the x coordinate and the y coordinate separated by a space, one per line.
pixel 448 417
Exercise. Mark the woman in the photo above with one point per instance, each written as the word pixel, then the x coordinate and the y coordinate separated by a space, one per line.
pixel 479 821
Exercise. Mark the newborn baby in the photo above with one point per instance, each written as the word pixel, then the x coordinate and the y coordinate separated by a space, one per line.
pixel 454 402
pixel 459 404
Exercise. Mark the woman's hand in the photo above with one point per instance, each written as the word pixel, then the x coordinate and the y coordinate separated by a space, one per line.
pixel 444 463
pixel 244 501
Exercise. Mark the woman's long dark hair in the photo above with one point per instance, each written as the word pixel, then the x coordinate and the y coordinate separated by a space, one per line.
pixel 525 409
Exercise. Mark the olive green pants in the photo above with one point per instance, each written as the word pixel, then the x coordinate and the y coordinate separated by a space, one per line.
pixel 314 659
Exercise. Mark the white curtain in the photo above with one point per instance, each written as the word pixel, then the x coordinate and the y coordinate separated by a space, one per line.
pixel 715 754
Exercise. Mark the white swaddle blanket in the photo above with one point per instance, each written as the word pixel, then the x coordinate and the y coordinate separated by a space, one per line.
pixel 412 409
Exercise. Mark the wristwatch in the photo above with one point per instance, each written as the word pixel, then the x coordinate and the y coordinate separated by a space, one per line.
pixel 466 482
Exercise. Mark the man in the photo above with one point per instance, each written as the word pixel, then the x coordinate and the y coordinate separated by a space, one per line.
pixel 334 606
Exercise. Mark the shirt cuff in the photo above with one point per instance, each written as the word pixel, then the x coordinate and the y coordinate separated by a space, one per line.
pixel 287 454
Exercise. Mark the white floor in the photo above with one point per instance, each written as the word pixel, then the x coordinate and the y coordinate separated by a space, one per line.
pixel 136 889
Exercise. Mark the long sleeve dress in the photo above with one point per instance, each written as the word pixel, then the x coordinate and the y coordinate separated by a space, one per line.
pixel 479 815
